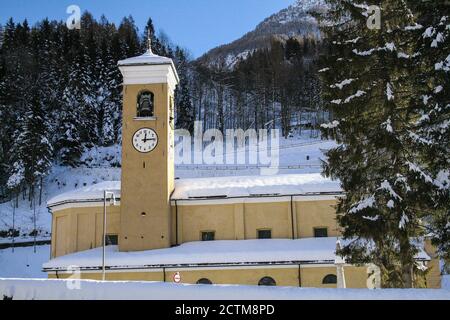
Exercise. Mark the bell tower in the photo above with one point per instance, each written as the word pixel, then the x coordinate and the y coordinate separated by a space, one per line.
pixel 147 182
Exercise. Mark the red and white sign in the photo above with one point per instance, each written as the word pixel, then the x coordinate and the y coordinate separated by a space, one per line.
pixel 177 277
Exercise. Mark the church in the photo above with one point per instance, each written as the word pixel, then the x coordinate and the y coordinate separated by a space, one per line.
pixel 257 230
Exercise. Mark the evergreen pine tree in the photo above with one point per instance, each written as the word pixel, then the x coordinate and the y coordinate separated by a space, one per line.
pixel 185 112
pixel 49 83
pixel 2 35
pixel 368 88
pixel 105 104
pixel 113 77
pixel 429 134
pixel 42 152
pixel 87 76
pixel 184 108
pixel 31 155
pixel 129 40
pixel 69 142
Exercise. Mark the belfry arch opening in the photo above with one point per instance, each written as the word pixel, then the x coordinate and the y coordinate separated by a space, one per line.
pixel 145 104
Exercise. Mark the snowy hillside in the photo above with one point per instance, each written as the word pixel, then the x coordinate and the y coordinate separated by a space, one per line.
pixel 296 20
pixel 295 12
pixel 101 166
pixel 299 154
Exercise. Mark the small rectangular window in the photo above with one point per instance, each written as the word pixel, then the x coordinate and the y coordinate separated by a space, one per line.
pixel 320 232
pixel 208 236
pixel 112 240
pixel 264 234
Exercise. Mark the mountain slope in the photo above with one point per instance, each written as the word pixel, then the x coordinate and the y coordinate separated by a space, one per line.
pixel 296 20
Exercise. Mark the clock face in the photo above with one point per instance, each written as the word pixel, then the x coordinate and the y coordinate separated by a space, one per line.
pixel 145 140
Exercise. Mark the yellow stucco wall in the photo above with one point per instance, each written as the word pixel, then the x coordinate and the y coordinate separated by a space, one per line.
pixel 356 277
pixel 81 228
pixel 274 216
pixel 238 221
pixel 115 276
pixel 192 220
pixel 282 276
pixel 313 214
pixel 147 179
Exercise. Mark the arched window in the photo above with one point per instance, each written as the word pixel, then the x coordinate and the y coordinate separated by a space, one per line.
pixel 204 281
pixel 267 281
pixel 145 104
pixel 329 279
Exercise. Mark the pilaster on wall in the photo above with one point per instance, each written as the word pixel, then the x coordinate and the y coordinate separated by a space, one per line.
pixel 53 241
pixel 239 221
pixel 73 231
pixel 179 226
pixel 293 218
pixel 433 277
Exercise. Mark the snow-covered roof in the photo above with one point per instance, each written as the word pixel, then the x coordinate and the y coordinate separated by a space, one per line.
pixel 223 187
pixel 148 58
pixel 207 252
pixel 248 186
pixel 91 193
pixel 241 252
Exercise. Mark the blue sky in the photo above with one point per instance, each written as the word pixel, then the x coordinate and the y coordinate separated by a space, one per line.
pixel 198 25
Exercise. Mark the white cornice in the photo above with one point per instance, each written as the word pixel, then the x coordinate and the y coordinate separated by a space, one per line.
pixel 80 204
pixel 149 74
pixel 296 198
pixel 200 202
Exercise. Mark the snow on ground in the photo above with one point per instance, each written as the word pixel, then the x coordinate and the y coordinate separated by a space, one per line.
pixel 102 156
pixel 446 282
pixel 23 262
pixel 22 289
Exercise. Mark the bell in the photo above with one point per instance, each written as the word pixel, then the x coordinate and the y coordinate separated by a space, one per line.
pixel 146 106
